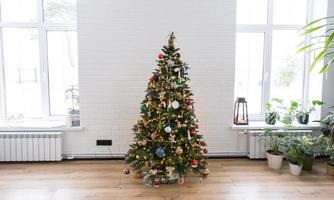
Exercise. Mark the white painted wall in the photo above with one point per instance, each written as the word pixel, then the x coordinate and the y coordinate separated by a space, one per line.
pixel 328 81
pixel 118 43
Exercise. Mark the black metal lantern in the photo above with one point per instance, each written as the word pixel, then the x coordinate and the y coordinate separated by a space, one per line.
pixel 240 116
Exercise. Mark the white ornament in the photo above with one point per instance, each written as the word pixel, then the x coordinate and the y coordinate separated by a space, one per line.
pixel 170 63
pixel 175 104
pixel 168 129
pixel 177 69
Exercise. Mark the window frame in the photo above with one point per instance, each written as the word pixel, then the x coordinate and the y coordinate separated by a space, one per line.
pixel 268 29
pixel 42 26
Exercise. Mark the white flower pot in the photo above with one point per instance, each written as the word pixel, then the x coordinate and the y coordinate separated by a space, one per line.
pixel 274 161
pixel 295 169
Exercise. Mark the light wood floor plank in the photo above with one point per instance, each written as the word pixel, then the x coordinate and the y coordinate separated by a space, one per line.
pixel 231 179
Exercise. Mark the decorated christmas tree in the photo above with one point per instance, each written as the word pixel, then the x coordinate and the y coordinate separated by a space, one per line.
pixel 167 143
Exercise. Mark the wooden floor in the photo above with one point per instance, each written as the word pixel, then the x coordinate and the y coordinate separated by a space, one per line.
pixel 104 179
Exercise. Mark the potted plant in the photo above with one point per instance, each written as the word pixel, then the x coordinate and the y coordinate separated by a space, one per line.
pixel 274 155
pixel 303 112
pixel 271 115
pixel 308 145
pixel 296 159
pixel 72 94
pixel 328 131
pixel 289 113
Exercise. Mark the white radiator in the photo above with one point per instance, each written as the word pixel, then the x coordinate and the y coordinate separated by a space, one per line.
pixel 258 145
pixel 30 146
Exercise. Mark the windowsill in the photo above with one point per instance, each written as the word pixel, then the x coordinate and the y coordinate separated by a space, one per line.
pixel 37 125
pixel 258 125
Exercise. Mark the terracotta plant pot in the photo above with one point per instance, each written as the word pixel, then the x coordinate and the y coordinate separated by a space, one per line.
pixel 274 160
pixel 295 169
pixel 330 169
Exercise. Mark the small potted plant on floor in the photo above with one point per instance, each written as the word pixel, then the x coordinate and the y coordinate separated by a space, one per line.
pixel 271 115
pixel 303 112
pixel 308 145
pixel 274 155
pixel 296 159
pixel 328 131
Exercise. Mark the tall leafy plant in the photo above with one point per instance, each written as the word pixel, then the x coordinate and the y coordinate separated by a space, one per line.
pixel 319 42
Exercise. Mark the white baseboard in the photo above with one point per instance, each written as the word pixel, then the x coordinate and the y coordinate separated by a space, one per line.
pixel 121 155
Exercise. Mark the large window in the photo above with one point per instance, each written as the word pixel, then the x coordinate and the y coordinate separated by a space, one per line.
pixel 38 57
pixel 267 65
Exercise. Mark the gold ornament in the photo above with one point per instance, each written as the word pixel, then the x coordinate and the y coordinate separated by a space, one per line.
pixel 153 136
pixel 179 150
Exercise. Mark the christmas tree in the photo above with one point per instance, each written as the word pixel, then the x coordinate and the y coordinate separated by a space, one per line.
pixel 167 143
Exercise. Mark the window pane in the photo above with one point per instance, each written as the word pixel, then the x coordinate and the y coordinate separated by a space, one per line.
pixel 19 10
pixel 287 70
pixel 21 61
pixel 249 67
pixel 63 69
pixel 252 12
pixel 63 11
pixel 290 11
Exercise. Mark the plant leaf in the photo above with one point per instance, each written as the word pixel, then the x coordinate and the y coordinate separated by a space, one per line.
pixel 317 58
pixel 324 68
pixel 305 47
pixel 312 29
pixel 329 40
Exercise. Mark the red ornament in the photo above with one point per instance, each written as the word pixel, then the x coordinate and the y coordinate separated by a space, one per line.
pixel 180 181
pixel 160 56
pixel 156 184
pixel 153 78
pixel 194 163
pixel 178 55
pixel 193 131
pixel 206 171
pixel 205 150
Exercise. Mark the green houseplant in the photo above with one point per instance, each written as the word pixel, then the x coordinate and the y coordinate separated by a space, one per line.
pixel 271 115
pixel 306 145
pixel 320 43
pixel 296 160
pixel 303 111
pixel 274 155
pixel 288 112
pixel 328 131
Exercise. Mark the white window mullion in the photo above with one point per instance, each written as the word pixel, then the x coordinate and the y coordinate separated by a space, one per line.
pixel 43 61
pixel 307 59
pixel 267 57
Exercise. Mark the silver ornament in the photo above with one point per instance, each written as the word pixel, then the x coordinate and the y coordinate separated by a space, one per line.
pixel 175 104
pixel 168 129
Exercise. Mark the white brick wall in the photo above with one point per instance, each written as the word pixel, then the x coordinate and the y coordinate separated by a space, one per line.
pixel 118 43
